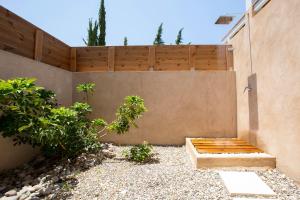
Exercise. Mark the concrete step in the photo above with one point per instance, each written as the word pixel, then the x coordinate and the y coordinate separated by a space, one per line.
pixel 220 160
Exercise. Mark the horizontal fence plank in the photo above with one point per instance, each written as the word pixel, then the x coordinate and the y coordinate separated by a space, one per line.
pixel 92 59
pixel 16 36
pixel 20 37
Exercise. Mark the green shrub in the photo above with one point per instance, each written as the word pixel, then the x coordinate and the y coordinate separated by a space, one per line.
pixel 30 115
pixel 24 106
pixel 139 153
pixel 127 114
pixel 69 131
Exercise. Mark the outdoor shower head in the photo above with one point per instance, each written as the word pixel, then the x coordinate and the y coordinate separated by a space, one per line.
pixel 224 20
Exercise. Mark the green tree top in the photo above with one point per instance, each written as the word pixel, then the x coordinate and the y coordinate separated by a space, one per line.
pixel 179 39
pixel 158 40
pixel 102 24
pixel 92 38
pixel 125 41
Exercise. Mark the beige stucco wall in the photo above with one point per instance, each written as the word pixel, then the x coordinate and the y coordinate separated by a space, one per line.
pixel 50 77
pixel 274 107
pixel 180 104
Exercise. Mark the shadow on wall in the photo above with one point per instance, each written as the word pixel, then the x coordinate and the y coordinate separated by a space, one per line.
pixel 253 109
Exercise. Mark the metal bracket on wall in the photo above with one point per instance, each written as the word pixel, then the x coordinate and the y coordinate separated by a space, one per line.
pixel 247 88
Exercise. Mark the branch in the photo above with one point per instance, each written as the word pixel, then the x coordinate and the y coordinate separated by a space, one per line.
pixel 101 132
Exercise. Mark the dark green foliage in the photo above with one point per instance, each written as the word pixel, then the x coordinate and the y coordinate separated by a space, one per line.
pixel 158 39
pixel 179 39
pixel 125 41
pixel 95 39
pixel 139 153
pixel 92 38
pixel 23 107
pixel 102 24
pixel 69 131
pixel 29 114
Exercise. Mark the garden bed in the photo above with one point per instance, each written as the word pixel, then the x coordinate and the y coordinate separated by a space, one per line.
pixel 169 176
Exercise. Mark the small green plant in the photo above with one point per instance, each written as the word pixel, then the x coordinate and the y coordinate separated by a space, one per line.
pixel 66 186
pixel 86 88
pixel 140 153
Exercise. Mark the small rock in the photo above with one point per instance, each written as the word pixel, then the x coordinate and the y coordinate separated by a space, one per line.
pixel 55 179
pixel 33 198
pixel 11 193
pixel 51 196
pixel 44 179
pixel 108 153
pixel 24 196
pixel 46 191
pixel 10 198
pixel 123 192
pixel 23 190
pixel 58 169
pixel 36 188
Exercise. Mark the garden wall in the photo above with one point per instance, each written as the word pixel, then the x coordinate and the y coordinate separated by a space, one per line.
pixel 181 104
pixel 269 115
pixel 50 77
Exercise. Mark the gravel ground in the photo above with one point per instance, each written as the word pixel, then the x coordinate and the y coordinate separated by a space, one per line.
pixel 170 178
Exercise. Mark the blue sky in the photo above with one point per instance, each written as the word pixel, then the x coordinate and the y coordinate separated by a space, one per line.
pixel 67 20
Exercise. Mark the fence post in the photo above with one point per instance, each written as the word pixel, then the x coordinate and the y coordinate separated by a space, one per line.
pixel 229 57
pixel 38 48
pixel 151 57
pixel 192 53
pixel 111 59
pixel 73 59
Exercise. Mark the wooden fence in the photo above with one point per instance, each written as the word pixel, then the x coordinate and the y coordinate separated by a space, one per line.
pixel 23 38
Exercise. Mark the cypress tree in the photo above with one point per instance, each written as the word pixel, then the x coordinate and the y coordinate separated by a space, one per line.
pixel 178 41
pixel 92 38
pixel 158 40
pixel 102 24
pixel 125 41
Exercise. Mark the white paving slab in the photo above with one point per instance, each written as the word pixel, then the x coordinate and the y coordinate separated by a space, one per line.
pixel 245 183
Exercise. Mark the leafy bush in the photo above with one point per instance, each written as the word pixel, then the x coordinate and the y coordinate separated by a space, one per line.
pixel 30 115
pixel 131 110
pixel 139 153
pixel 69 131
pixel 24 106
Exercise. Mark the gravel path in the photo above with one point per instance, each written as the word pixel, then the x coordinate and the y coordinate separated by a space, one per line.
pixel 171 178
